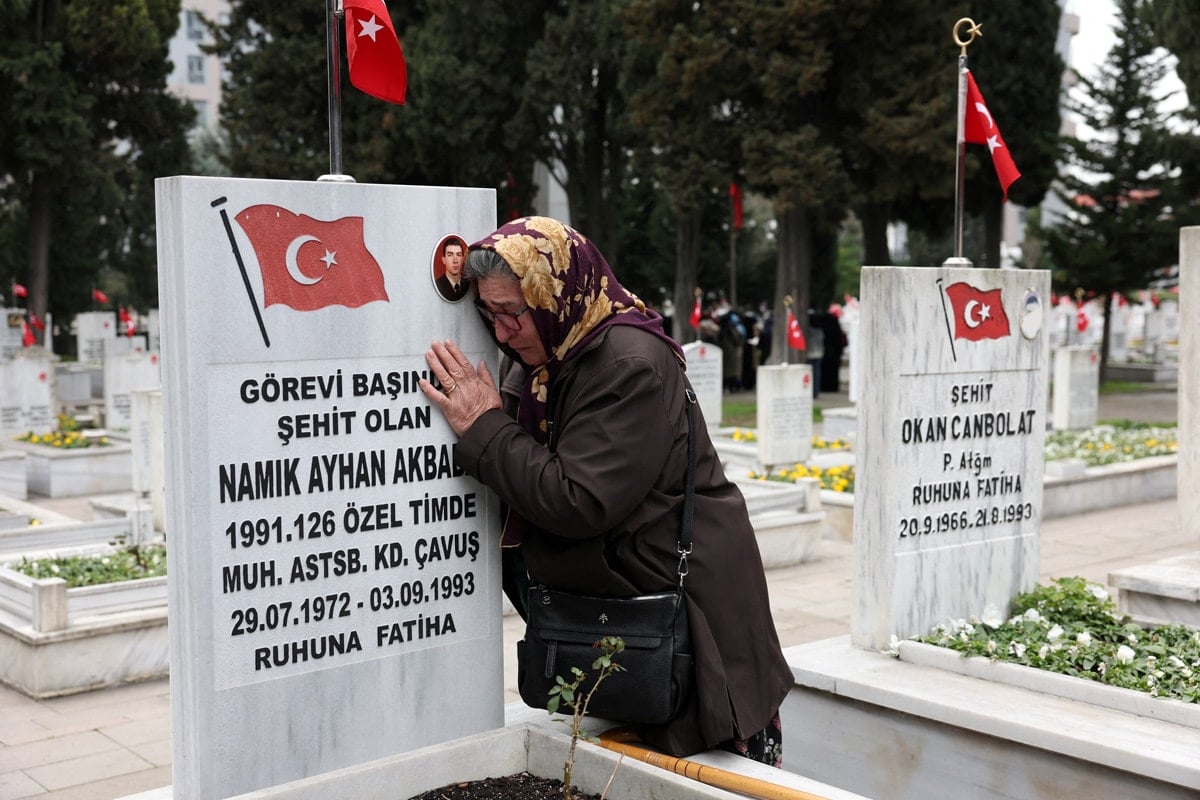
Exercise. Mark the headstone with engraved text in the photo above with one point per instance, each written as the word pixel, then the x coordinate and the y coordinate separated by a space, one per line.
pixel 784 414
pixel 950 442
pixel 335 584
pixel 1076 387
pixel 704 373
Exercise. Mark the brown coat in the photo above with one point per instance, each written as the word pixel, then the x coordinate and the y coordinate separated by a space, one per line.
pixel 606 498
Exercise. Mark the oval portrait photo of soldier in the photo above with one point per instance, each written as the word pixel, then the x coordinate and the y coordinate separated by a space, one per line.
pixel 448 261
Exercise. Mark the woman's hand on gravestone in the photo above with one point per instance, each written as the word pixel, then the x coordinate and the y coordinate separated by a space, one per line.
pixel 466 392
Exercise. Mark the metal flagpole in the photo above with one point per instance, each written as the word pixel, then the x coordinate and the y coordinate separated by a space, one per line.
pixel 973 30
pixel 333 71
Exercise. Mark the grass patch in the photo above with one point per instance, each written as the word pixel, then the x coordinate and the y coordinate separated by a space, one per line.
pixel 1129 387
pixel 744 413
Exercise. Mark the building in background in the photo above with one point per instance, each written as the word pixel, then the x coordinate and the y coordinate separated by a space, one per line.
pixel 196 76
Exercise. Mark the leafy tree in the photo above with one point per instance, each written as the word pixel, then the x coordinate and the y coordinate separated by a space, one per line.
pixel 275 106
pixel 685 112
pixel 1176 25
pixel 573 108
pixel 88 125
pixel 897 111
pixel 467 79
pixel 792 140
pixel 1123 196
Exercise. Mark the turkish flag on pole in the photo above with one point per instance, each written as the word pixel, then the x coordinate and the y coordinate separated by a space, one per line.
pixel 27 337
pixel 977 314
pixel 99 296
pixel 735 194
pixel 19 290
pixel 694 320
pixel 36 322
pixel 373 51
pixel 1081 318
pixel 307 263
pixel 980 128
pixel 795 333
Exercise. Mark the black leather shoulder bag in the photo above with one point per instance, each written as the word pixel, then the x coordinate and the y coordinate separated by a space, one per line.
pixel 563 629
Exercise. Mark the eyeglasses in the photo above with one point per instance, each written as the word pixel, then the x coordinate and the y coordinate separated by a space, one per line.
pixel 509 321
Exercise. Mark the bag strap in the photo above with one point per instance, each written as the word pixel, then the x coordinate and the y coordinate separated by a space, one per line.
pixel 684 546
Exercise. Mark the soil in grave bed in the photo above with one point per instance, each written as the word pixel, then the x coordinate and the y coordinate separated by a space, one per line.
pixel 510 787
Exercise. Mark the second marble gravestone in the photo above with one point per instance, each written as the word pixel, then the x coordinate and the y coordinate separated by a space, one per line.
pixel 951 435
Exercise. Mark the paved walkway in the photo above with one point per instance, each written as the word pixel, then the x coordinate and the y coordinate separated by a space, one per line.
pixel 117 742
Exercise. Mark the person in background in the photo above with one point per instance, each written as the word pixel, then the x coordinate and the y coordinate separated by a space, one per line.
pixel 586 445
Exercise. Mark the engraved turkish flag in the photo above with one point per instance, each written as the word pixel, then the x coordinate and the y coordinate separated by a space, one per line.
pixel 978 314
pixel 373 52
pixel 307 263
pixel 795 336
pixel 980 128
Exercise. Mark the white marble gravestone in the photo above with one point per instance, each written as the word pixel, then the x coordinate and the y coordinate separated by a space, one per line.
pixel 335 576
pixel 26 394
pixel 1188 474
pixel 92 330
pixel 1152 335
pixel 950 442
pixel 335 584
pixel 704 373
pixel 1076 387
pixel 123 373
pixel 73 382
pixel 784 414
pixel 153 337
pixel 1118 345
pixel 12 332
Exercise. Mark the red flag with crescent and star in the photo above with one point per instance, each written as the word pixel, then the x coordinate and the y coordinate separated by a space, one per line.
pixel 308 263
pixel 373 52
pixel 795 335
pixel 978 314
pixel 980 128
pixel 19 290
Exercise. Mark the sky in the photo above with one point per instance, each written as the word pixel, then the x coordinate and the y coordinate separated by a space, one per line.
pixel 1090 46
pixel 1095 37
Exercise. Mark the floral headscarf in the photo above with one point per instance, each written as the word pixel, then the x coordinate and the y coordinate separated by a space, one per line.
pixel 573 296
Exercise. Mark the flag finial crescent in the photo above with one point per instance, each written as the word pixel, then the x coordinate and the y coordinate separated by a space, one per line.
pixel 973 30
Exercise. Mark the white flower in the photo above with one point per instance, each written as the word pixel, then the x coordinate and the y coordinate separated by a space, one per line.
pixel 893 648
pixel 1032 615
pixel 1017 649
pixel 1125 654
pixel 992 616
pixel 1102 667
pixel 1132 638
pixel 1097 591
pixel 1043 651
pixel 1176 662
pixel 991 646
pixel 1084 638
pixel 1055 633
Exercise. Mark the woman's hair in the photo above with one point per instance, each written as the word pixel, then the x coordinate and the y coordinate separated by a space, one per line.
pixel 487 264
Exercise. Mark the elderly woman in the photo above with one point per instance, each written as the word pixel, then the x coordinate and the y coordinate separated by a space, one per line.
pixel 591 467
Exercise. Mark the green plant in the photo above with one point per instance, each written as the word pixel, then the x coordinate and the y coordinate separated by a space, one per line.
pixel 570 694
pixel 1072 627
pixel 127 564
pixel 1110 444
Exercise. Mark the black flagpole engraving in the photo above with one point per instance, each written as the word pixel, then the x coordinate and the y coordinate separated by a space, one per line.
pixel 237 254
